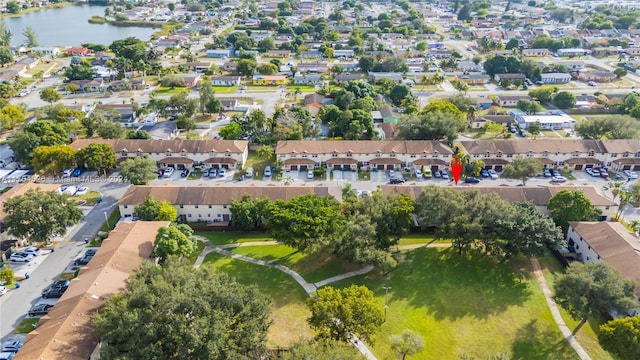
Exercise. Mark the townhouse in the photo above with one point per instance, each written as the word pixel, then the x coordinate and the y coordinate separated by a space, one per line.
pixel 180 154
pixel 537 195
pixel 212 204
pixel 610 242
pixel 363 154
pixel 555 78
pixel 622 154
pixel 535 52
pixel 575 153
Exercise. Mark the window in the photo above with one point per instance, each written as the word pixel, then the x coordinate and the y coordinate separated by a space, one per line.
pixel 529 154
pixel 189 215
pixel 304 155
pixel 224 206
pixel 476 155
pixel 487 154
pixel 626 154
pixel 293 155
pixel 196 206
pixel 606 207
pixel 227 154
pixel 509 155
pixel 334 154
pixel 210 206
pixel 124 154
pixel 208 215
pixel 591 153
pixel 545 153
pixel 349 154
pixel 614 155
pixel 378 154
pixel 575 154
pixel 424 155
pixel 213 154
pixel 183 154
pixel 138 153
pixel 181 206
pixel 168 154
pixel 199 215
pixel 412 156
pixel 314 156
pixel 392 154
pixel 283 156
pixel 126 206
pixel 499 155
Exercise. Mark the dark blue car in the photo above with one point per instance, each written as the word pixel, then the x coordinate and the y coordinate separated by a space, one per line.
pixel 77 172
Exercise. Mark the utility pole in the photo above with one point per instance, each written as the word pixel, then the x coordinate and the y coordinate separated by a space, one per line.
pixel 386 291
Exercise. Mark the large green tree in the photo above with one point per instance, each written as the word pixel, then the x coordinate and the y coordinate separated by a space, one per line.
pixel 338 313
pixel 38 215
pixel 571 205
pixel 587 289
pixel 408 343
pixel 247 213
pixel 321 350
pixel 175 311
pixel 39 133
pixel 154 210
pixel 139 170
pixel 174 240
pixel 50 95
pixel 521 168
pixel 432 125
pixel 564 100
pixel 621 337
pixel 609 127
pixel 53 158
pixel 99 157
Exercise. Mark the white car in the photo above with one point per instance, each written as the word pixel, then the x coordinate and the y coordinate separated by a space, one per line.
pixel 20 257
pixel 69 190
pixel 222 172
pixel 168 172
pixel 558 179
pixel 392 173
pixel 418 174
pixel 32 250
pixel 267 171
pixel 3 290
pixel 24 93
pixel 67 172
pixel 309 174
pixel 81 191
pixel 631 174
pixel 493 174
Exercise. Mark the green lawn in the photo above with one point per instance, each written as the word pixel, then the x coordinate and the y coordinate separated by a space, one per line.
pixel 221 238
pixel 289 311
pixel 26 325
pixel 411 239
pixel 312 267
pixel 194 256
pixel 549 133
pixel 303 88
pixel 113 218
pixel 257 163
pixel 465 307
pixel 169 91
pixel 90 197
pixel 225 89
pixel 194 175
pixel 66 276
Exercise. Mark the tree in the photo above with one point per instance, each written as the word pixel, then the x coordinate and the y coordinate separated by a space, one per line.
pixel 399 93
pixel 109 130
pixel 521 168
pixel 233 131
pixel 12 116
pixel 535 129
pixel 206 94
pixel 39 216
pixel 512 44
pixel 39 133
pixel 6 55
pixel 265 152
pixel 305 222
pixel 248 214
pixel 212 315
pixel 408 343
pixel 338 313
pixel 571 205
pixel 321 350
pixel 139 170
pixel 98 157
pixel 50 95
pixel 174 240
pixel 586 289
pixel 5 35
pixel 246 67
pixel 366 63
pixel 564 100
pixel 23 144
pixel 543 93
pixel 52 159
pixel 634 193
pixel 530 107
pixel 610 127
pixel 185 123
pixel 464 12
pixel 154 210
pixel 620 337
pixel 620 72
pixel 31 37
pixel 434 125
pixel 138 134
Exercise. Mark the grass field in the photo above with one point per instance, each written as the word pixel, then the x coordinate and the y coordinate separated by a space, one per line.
pixel 221 238
pixel 199 247
pixel 289 311
pixel 465 307
pixel 113 218
pixel 312 267
pixel 26 325
pixel 169 91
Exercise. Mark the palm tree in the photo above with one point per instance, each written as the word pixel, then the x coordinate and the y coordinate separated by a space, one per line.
pixel 265 152
pixel 471 114
pixel 615 188
pixel 461 86
pixel 635 225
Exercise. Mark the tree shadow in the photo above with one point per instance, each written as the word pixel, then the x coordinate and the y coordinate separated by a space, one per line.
pixel 532 343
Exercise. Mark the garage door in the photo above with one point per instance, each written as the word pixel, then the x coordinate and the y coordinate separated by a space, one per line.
pixel 337 167
pixel 294 167
pixel 588 167
pixel 302 167
pixel 498 167
pixel 226 166
pixel 578 167
pixel 380 167
pixel 390 167
pixel 434 168
pixel 626 167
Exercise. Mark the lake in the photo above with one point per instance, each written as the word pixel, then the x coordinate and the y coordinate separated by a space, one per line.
pixel 68 26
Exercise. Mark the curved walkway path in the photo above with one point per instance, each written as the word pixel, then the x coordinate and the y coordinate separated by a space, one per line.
pixel 564 329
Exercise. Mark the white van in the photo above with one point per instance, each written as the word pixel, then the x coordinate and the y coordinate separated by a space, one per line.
pixel 249 172
pixel 267 171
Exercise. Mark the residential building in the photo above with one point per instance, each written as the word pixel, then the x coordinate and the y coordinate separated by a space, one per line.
pixel 212 204
pixel 340 78
pixel 555 78
pixel 94 85
pixel 226 80
pixel 180 154
pixel 78 51
pixel 535 52
pixel 343 54
pixel 481 121
pixel 198 66
pixel 190 80
pixel 229 104
pixel 363 154
pixel 622 154
pixel 573 52
pixel 219 53
pixel 511 77
pixel 511 100
pixel 230 66
pixel 307 79
pixel 552 119
pixel 395 77
pixel 577 154
pixel 46 50
pixel 165 130
pixel 67 330
pixel 573 65
pixel 609 242
pixel 313 67
pixel 348 66
pixel 269 80
pixel 124 114
pixel 279 53
pixel 596 76
pixel 474 79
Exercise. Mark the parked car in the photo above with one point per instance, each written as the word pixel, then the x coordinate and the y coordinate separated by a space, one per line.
pixel 3 290
pixel 445 175
pixel 630 174
pixel 592 83
pixel 493 174
pixel 60 284
pixel 437 174
pixel 91 252
pixel 67 173
pixel 160 173
pixel 484 173
pixel 604 173
pixel 249 172
pixel 555 172
pixel 558 179
pixel 513 129
pixel 12 346
pixel 82 261
pixel 53 293
pixel 222 172
pixel 77 172
pixel 547 173
pixel 81 191
pixel 396 181
pixel 205 173
pixel 391 173
pixel 7 355
pixel 427 173
pixel 309 174
pixel 471 180
pixel 20 257
pixel 267 171
pixel 30 250
pixel 24 93
pixel 213 173
pixel 184 173
pixel 418 173
pixel 40 309
pixel 168 172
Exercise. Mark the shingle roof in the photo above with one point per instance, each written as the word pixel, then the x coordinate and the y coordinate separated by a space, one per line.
pixel 523 146
pixel 66 332
pixel 161 146
pixel 621 146
pixel 362 147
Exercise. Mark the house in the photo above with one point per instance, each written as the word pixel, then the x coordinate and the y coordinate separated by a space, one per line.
pixel 511 77
pixel 555 78
pixel 68 329
pixel 46 50
pixel 313 67
pixel 538 195
pixel 177 153
pixel 269 80
pixel 171 41
pixel 165 130
pixel 484 103
pixel 481 121
pixel 211 204
pixel 343 54
pixel 88 85
pixel 573 52
pixel 279 53
pixel 78 51
pixel 308 79
pixel 226 80
pixel 316 98
pixel 535 52
pixel 474 79
pixel 596 76
pixel 309 54
pixel 609 242
pixel 363 154
pixel 577 154
pixel 229 104
pixel 29 62
pixel 190 80
pixel 198 66
pixel 395 77
pixel 230 66
pixel 348 66
pixel 511 100
pixel 124 114
pixel 20 189
pixel 219 53
pixel 341 78
pixel 622 154
pixel 552 119
pixel 389 115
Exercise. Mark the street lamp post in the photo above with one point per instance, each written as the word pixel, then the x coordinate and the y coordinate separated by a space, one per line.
pixel 107 219
pixel 386 291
